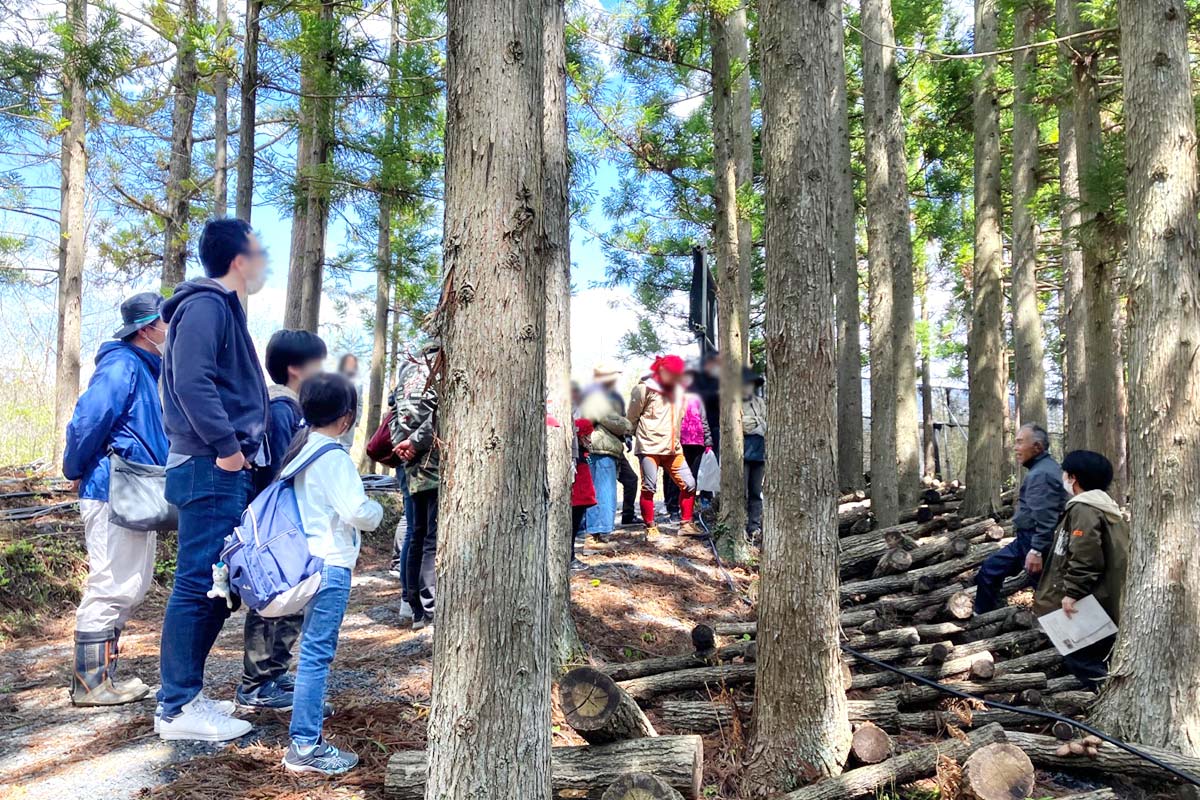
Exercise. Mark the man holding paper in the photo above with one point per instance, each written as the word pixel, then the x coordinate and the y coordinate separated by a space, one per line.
pixel 1089 556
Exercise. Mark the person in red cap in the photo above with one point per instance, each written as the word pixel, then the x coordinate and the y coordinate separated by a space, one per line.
pixel 656 411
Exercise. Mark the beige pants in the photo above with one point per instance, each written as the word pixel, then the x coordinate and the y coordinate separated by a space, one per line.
pixel 120 569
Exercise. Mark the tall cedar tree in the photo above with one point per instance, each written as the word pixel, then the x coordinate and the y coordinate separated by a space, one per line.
pixel 244 201
pixel 1151 697
pixel 733 166
pixel 565 645
pixel 184 89
pixel 1027 319
pixel 489 726
pixel 800 728
pixel 985 446
pixel 72 238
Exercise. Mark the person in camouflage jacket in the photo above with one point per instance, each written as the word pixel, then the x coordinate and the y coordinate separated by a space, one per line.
pixel 414 432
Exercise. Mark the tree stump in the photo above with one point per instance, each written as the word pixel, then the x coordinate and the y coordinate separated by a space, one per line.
pixel 998 771
pixel 640 786
pixel 599 710
pixel 870 744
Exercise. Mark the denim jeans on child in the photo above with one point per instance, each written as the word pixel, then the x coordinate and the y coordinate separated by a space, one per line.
pixel 210 502
pixel 318 644
pixel 604 476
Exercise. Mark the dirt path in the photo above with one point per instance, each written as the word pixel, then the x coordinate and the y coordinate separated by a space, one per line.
pixel 637 599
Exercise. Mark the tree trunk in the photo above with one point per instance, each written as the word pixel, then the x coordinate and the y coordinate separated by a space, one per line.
pixel 878 63
pixel 1104 370
pixel 221 117
pixel 184 86
pixel 928 432
pixel 985 350
pixel 311 215
pixel 72 238
pixel 800 728
pixel 1027 319
pixel 489 724
pixel 1151 695
pixel 1073 321
pixel 849 353
pixel 249 113
pixel 731 100
pixel 565 646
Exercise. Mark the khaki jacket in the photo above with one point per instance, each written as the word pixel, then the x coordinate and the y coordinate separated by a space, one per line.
pixel 611 427
pixel 655 418
pixel 1090 555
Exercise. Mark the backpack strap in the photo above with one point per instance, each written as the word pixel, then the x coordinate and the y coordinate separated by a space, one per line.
pixel 308 462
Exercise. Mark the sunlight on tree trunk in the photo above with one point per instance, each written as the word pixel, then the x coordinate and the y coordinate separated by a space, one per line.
pixel 184 88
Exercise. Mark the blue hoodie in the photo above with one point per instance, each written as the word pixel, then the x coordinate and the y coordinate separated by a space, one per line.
pixel 214 394
pixel 118 411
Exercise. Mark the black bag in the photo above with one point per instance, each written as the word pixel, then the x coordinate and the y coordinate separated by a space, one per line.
pixel 136 496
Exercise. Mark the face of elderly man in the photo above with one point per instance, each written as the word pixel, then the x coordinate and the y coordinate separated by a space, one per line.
pixel 1027 445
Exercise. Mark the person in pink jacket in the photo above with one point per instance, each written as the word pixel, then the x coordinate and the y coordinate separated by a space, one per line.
pixel 695 437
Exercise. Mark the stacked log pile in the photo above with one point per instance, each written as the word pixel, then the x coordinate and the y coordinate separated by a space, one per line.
pixel 907 600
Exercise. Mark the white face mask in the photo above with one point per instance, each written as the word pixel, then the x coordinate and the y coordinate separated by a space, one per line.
pixel 255 284
pixel 1069 485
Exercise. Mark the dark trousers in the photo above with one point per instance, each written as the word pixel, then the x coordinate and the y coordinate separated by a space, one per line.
pixel 578 514
pixel 420 568
pixel 692 454
pixel 754 482
pixel 269 646
pixel 402 541
pixel 1090 664
pixel 1004 563
pixel 210 502
pixel 629 490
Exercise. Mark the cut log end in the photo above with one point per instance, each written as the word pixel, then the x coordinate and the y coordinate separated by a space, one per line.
pixel 983 668
pixel 998 771
pixel 961 605
pixel 870 744
pixel 599 710
pixel 940 651
pixel 640 786
pixel 704 639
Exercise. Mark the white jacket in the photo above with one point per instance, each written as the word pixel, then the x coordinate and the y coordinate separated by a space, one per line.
pixel 333 505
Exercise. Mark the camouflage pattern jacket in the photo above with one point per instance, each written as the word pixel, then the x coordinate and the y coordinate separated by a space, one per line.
pixel 415 402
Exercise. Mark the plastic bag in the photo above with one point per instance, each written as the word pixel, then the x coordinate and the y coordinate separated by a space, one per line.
pixel 708 478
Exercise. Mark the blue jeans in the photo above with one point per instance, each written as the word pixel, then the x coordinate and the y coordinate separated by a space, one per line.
pixel 400 548
pixel 604 476
pixel 210 502
pixel 1004 563
pixel 318 644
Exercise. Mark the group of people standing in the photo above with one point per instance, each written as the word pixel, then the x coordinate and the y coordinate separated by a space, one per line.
pixel 222 435
pixel 670 423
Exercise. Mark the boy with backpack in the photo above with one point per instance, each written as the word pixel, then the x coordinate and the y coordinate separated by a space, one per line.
pixel 292 358
pixel 333 509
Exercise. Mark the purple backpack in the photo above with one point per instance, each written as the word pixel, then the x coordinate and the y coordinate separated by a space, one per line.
pixel 270 566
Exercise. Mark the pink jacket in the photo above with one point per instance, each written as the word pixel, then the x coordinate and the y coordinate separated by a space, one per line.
pixel 693 428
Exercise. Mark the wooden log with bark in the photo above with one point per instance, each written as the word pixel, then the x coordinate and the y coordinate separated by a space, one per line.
pixel 1097 794
pixel 640 786
pixel 678 761
pixel 941 572
pixel 850 618
pixel 702 716
pixel 977 666
pixel 896 637
pixel 1043 751
pixel 920 695
pixel 904 768
pixel 599 710
pixel 1007 618
pixel 650 686
pixel 870 744
pixel 999 771
pixel 1027 663
pixel 940 720
pixel 653 666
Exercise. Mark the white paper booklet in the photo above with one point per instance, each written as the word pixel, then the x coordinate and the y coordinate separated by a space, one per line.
pixel 1088 625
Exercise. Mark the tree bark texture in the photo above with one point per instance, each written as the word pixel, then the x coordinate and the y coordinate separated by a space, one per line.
pixel 929 456
pixel 1151 695
pixel 246 127
pixel 849 352
pixel 1104 367
pixel 489 725
pixel 800 728
pixel 985 349
pixel 1073 321
pixel 1027 318
pixel 878 59
pixel 221 117
pixel 184 87
pixel 565 646
pixel 72 237
pixel 733 167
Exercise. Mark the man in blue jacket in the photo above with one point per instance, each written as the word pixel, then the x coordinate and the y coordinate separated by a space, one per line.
pixel 215 414
pixel 119 412
pixel 1039 505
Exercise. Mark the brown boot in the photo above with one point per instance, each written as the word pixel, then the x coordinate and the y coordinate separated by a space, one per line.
pixel 90 681
pixel 132 684
pixel 690 528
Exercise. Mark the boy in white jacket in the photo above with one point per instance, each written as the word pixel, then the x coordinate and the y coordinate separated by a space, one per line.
pixel 333 508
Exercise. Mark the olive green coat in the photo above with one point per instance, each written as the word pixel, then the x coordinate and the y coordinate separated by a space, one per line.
pixel 1090 555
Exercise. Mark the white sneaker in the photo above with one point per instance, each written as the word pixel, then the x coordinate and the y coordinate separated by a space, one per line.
pixel 202 725
pixel 405 610
pixel 200 701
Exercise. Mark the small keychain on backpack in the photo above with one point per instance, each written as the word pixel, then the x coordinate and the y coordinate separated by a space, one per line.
pixel 220 587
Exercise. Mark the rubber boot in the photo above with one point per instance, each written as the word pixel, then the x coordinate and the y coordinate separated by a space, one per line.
pixel 90 682
pixel 133 684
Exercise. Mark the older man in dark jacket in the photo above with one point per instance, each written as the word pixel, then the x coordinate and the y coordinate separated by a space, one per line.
pixel 1039 505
